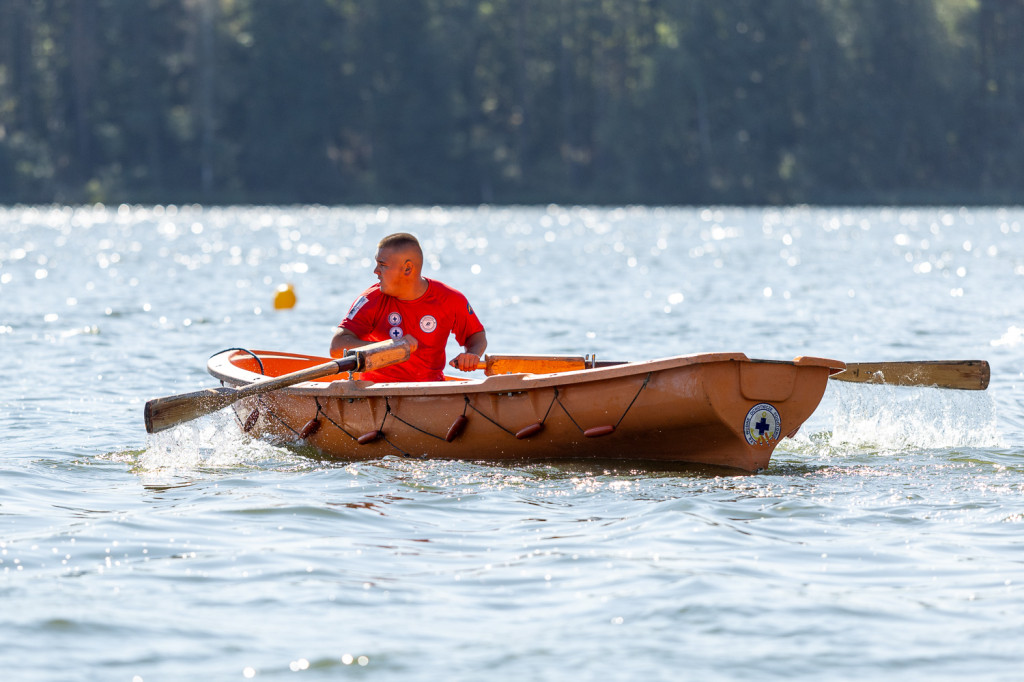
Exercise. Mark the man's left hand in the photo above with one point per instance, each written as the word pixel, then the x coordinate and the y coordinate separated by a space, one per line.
pixel 465 362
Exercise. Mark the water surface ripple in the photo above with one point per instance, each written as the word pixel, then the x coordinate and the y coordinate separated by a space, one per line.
pixel 884 541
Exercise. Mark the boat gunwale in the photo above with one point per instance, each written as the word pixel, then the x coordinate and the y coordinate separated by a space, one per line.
pixel 221 367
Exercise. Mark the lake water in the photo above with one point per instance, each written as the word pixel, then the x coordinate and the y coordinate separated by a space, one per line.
pixel 886 541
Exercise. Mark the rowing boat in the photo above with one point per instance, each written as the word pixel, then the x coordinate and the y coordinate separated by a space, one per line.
pixel 716 409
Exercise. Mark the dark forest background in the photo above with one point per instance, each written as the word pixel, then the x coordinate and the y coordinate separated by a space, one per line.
pixel 512 101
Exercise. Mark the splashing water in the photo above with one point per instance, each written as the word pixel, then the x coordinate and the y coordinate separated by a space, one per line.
pixel 901 418
pixel 1014 336
pixel 213 442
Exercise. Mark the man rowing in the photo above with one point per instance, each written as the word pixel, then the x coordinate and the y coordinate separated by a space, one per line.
pixel 405 303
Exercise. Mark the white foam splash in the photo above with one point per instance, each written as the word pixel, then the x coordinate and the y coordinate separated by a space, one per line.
pixel 214 441
pixel 893 417
pixel 1014 336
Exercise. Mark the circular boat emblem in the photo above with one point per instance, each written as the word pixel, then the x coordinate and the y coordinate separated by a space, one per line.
pixel 428 323
pixel 396 333
pixel 395 319
pixel 762 425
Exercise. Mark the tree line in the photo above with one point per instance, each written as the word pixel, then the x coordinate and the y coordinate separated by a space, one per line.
pixel 512 101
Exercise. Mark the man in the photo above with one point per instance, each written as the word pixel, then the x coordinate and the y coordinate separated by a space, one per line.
pixel 404 302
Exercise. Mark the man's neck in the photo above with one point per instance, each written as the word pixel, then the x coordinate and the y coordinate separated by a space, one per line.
pixel 415 290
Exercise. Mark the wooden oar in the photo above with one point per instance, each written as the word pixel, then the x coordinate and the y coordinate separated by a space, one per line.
pixel 531 364
pixel 971 375
pixel 163 413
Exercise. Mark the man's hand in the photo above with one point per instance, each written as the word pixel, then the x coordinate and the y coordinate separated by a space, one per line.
pixel 465 362
pixel 475 347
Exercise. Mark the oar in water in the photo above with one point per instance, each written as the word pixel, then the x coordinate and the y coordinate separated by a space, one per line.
pixel 163 413
pixel 971 375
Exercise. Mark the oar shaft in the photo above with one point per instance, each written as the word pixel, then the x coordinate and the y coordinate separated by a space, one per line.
pixel 163 413
pixel 346 364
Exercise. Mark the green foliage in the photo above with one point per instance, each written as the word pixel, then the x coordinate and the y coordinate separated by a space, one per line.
pixel 512 101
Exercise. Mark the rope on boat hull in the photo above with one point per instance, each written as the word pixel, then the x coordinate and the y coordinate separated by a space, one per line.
pixel 313 425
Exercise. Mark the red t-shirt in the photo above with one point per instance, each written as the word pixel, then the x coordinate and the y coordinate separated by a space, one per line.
pixel 430 318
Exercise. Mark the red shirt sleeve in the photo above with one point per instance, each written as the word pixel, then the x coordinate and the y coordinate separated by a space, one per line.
pixel 363 314
pixel 466 322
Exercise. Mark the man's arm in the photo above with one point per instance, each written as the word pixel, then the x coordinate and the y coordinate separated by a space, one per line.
pixel 476 344
pixel 343 340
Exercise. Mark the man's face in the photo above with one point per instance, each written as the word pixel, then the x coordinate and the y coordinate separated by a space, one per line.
pixel 391 267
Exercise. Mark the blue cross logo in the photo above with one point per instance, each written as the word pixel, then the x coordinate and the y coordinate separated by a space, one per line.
pixel 762 425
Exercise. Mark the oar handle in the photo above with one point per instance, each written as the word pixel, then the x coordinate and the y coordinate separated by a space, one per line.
pixel 384 353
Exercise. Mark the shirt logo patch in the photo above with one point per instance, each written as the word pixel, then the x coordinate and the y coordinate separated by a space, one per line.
pixel 356 306
pixel 395 319
pixel 428 323
pixel 396 333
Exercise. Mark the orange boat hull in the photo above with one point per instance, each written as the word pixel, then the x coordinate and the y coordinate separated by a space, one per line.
pixel 716 409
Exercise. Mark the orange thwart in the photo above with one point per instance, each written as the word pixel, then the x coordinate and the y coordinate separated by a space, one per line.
pixel 714 409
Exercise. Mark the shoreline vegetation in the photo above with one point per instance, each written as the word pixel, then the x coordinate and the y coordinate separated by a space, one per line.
pixel 527 102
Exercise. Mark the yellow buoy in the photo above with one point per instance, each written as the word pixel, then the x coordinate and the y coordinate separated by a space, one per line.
pixel 284 297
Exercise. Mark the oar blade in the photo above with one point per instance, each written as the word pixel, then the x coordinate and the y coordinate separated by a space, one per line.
pixel 967 375
pixel 163 413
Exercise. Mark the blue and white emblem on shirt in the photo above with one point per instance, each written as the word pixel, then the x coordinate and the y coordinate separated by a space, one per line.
pixel 396 333
pixel 763 425
pixel 428 323
pixel 394 319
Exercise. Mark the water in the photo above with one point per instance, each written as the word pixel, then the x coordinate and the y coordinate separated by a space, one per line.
pixel 884 541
